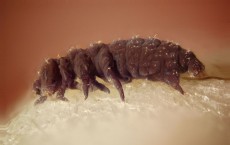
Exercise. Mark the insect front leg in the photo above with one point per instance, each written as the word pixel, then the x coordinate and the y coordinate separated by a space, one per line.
pixel 61 92
pixel 37 89
pixel 67 78
pixel 40 100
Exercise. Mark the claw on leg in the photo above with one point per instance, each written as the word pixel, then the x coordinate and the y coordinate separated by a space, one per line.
pixel 60 94
pixel 173 80
pixel 85 87
pixel 100 86
pixel 73 85
pixel 40 100
pixel 111 75
pixel 62 98
pixel 88 82
pixel 178 87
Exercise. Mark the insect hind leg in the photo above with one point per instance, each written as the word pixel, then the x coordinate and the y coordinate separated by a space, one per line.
pixel 107 66
pixel 172 78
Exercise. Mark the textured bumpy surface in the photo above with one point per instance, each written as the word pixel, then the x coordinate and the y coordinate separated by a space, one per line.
pixel 152 114
pixel 119 61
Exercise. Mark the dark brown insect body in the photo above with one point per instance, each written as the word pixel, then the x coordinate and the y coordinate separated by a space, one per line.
pixel 122 60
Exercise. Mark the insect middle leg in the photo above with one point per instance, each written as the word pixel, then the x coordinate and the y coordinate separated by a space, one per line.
pixel 84 69
pixel 37 89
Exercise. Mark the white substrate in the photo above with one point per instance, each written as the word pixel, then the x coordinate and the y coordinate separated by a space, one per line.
pixel 154 113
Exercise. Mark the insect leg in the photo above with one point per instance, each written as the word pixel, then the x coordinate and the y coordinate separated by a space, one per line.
pixel 40 100
pixel 67 78
pixel 100 86
pixel 67 73
pixel 87 82
pixel 111 75
pixel 84 69
pixel 60 94
pixel 37 89
pixel 85 86
pixel 73 85
pixel 37 86
pixel 107 66
pixel 172 78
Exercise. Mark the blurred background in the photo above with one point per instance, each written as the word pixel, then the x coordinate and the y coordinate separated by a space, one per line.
pixel 32 30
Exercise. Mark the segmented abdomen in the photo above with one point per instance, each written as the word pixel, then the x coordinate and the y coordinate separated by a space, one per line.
pixel 137 57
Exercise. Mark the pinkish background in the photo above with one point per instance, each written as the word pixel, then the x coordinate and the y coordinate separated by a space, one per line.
pixel 32 30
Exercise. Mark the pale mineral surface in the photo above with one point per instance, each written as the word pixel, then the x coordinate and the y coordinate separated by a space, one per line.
pixel 153 113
